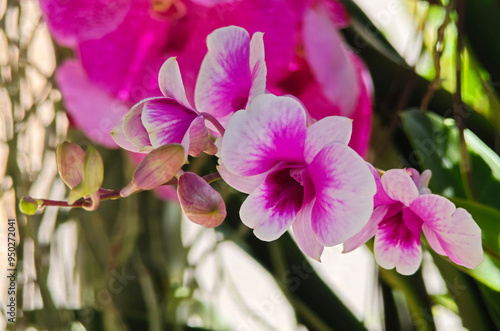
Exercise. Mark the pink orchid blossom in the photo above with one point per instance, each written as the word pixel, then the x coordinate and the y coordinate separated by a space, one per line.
pixel 232 73
pixel 299 176
pixel 404 207
pixel 122 54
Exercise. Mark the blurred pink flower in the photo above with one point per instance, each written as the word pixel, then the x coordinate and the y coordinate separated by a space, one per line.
pixel 121 46
pixel 404 207
pixel 297 175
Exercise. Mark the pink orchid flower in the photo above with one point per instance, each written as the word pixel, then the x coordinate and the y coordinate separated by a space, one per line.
pixel 404 207
pixel 120 46
pixel 299 176
pixel 232 73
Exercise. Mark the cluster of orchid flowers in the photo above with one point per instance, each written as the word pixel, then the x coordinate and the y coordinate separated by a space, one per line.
pixel 298 172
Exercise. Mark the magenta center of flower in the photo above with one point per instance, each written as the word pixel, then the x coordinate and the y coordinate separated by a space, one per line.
pixel 297 174
pixel 396 231
pixel 284 192
pixel 239 102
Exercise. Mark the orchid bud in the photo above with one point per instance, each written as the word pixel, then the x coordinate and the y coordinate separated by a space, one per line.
pixel 70 158
pixel 157 168
pixel 28 205
pixel 200 202
pixel 93 176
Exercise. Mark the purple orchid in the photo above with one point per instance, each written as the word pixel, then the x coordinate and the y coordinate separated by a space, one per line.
pixel 118 58
pixel 296 175
pixel 232 73
pixel 404 207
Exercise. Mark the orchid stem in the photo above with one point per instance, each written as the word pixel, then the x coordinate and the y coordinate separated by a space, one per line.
pixel 106 195
pixel 215 122
pixel 210 178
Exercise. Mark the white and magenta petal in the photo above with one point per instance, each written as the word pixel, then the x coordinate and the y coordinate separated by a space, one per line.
pixel 399 186
pixel 170 82
pixel 450 231
pixel 166 121
pixel 121 139
pixel 323 132
pixel 368 231
pixel 134 130
pixel 270 131
pixel 303 233
pixel 245 184
pixel 396 246
pixel 344 194
pixel 199 138
pixel 224 81
pixel 381 197
pixel 273 206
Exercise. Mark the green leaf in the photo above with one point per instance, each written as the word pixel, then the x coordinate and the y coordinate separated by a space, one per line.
pixel 465 292
pixel 485 171
pixel 436 147
pixel 481 27
pixel 435 144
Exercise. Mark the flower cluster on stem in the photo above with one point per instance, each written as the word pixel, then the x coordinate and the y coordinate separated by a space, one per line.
pixel 299 173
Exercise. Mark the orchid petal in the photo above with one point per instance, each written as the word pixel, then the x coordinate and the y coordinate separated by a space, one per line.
pixel 423 182
pixel 328 57
pixel 96 118
pixel 273 206
pixel 381 197
pixel 121 139
pixel 449 230
pixel 328 130
pixel 199 138
pixel 344 194
pixel 126 61
pixel 134 129
pixel 368 231
pixel 399 186
pixel 271 130
pixel 166 121
pixel 98 17
pixel 171 84
pixel 396 246
pixel 245 184
pixel 414 175
pixel 257 66
pixel 303 233
pixel 338 14
pixel 224 80
pixel 412 221
pixel 362 114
